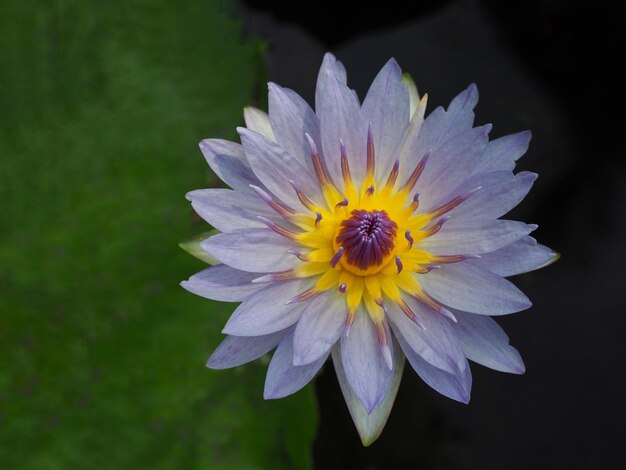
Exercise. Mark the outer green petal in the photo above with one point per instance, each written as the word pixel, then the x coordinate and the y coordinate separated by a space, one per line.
pixel 192 246
pixel 414 96
pixel 369 426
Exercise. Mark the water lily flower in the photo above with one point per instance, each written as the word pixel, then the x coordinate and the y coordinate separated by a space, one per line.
pixel 367 233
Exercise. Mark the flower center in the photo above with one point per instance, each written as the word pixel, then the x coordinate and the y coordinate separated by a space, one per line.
pixel 367 238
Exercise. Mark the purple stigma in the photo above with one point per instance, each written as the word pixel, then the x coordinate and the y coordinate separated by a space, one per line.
pixel 343 287
pixel 399 264
pixel 409 238
pixel 318 219
pixel 337 257
pixel 367 237
pixel 343 203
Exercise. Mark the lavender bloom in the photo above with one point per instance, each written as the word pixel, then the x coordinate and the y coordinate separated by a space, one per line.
pixel 366 232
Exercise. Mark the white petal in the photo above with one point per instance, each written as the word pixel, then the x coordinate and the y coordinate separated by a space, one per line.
pixel 519 257
pixel 363 362
pixel 267 310
pixel 435 340
pixel 338 109
pixel 386 110
pixel 320 327
pixel 456 385
pixel 486 343
pixel 283 378
pixel 222 283
pixel 258 121
pixel 466 287
pixel 475 236
pixel 369 424
pixel 502 153
pixel 258 250
pixel 229 210
pixel 275 167
pixel 237 350
pixel 228 162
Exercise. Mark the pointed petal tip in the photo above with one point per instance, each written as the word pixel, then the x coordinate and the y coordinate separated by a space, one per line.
pixel 213 363
pixel 269 394
pixel 472 89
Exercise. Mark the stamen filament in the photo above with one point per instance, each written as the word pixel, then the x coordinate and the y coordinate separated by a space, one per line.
pixel 278 229
pixel 410 182
pixel 278 206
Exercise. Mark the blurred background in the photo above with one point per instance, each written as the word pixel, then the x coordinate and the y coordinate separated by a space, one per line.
pixel 102 105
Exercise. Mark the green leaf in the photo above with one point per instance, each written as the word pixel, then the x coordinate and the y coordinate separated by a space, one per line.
pixel 102 105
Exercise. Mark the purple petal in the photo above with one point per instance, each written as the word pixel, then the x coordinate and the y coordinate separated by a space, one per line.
pixel 274 166
pixel 386 109
pixel 450 165
pixel 456 385
pixel 466 287
pixel 486 343
pixel 502 153
pixel 283 378
pixel 257 250
pixel 234 351
pixel 369 424
pixel 292 118
pixel 363 362
pixel 320 327
pixel 500 192
pixel 408 149
pixel 462 236
pixel 440 126
pixel 228 162
pixel 435 341
pixel 519 257
pixel 259 122
pixel 229 210
pixel 338 109
pixel 222 283
pixel 267 310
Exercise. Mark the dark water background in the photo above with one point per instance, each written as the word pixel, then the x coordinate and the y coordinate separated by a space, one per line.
pixel 550 66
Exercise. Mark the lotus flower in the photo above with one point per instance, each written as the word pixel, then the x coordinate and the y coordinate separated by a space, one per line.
pixel 370 234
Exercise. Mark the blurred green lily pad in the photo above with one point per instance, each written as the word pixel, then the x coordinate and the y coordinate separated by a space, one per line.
pixel 101 108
